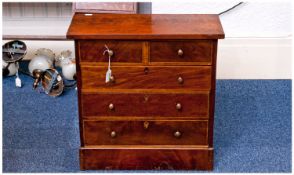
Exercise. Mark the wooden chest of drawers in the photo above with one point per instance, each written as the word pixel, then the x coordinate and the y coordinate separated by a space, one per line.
pixel 157 109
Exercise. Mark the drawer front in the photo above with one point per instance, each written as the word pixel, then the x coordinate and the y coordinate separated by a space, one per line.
pixel 163 105
pixel 134 158
pixel 182 51
pixel 140 77
pixel 123 51
pixel 145 132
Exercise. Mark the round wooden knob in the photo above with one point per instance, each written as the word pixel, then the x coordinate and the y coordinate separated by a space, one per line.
pixel 180 80
pixel 177 134
pixel 113 134
pixel 178 106
pixel 111 106
pixel 180 52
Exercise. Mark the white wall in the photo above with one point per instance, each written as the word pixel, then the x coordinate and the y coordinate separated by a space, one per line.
pixel 258 36
pixel 250 19
pixel 257 44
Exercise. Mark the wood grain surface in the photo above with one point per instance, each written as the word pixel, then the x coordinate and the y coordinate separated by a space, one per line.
pixel 144 130
pixel 193 51
pixel 124 51
pixel 134 132
pixel 145 26
pixel 130 158
pixel 194 105
pixel 141 77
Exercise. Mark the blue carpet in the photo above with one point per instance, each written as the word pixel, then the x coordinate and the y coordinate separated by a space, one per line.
pixel 252 128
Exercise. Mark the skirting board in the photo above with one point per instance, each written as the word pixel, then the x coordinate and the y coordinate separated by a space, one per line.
pixel 238 58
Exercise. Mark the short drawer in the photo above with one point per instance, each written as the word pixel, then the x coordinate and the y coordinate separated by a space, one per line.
pixel 195 105
pixel 197 51
pixel 140 77
pixel 145 132
pixel 123 51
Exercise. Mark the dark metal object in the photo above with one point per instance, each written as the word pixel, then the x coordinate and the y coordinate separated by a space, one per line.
pixel 5 70
pixel 37 73
pixel 14 51
pixel 51 81
pixel 177 134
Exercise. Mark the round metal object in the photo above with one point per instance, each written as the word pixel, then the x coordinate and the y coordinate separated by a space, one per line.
pixel 180 80
pixel 52 82
pixel 178 106
pixel 14 51
pixel 180 52
pixel 177 134
pixel 111 106
pixel 113 134
pixel 110 53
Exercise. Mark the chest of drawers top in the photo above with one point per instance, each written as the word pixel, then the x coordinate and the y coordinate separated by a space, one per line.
pixel 145 26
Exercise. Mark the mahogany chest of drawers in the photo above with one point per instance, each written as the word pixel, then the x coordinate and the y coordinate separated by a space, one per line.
pixel 156 108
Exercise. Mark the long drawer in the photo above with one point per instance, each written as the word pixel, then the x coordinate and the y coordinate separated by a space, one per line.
pixel 194 105
pixel 156 132
pixel 142 158
pixel 152 77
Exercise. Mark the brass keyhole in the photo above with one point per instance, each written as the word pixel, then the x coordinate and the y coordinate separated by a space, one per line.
pixel 146 98
pixel 146 70
pixel 146 125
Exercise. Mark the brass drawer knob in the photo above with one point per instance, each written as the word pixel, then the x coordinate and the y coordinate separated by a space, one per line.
pixel 177 134
pixel 113 134
pixel 146 125
pixel 180 80
pixel 180 52
pixel 110 53
pixel 111 106
pixel 178 106
pixel 112 79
